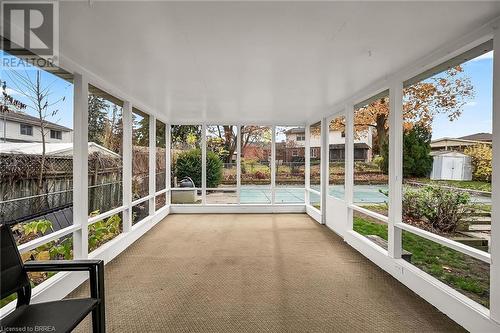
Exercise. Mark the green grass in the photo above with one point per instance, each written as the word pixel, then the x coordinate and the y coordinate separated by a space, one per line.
pixel 7 300
pixel 466 274
pixel 465 184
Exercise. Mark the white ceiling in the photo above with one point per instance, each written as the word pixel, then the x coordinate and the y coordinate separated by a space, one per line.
pixel 260 62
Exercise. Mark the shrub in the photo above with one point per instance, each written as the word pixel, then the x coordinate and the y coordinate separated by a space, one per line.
pixel 442 209
pixel 380 162
pixel 481 156
pixel 188 164
pixel 102 231
pixel 261 175
pixel 417 161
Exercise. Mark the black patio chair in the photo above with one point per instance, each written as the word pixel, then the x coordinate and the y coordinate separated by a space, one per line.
pixel 56 316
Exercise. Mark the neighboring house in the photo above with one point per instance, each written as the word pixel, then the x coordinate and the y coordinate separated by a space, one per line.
pixel 294 145
pixel 253 151
pixel 51 149
pixel 21 127
pixel 459 144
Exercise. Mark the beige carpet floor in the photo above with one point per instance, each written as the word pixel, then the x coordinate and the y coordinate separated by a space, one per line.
pixel 255 273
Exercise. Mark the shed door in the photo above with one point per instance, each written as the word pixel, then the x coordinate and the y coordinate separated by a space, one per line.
pixel 452 168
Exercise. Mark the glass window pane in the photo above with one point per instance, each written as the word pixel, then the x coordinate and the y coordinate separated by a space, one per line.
pixel 103 231
pixel 290 163
pixel 221 156
pixel 373 229
pixel 59 249
pixel 185 157
pixel 36 168
pixel 255 196
pixel 465 274
pixel 336 157
pixel 371 156
pixel 105 137
pixel 289 196
pixel 160 200
pixel 140 211
pixel 161 163
pixel 315 200
pixel 140 154
pixel 256 155
pixel 447 153
pixel 222 197
pixel 315 156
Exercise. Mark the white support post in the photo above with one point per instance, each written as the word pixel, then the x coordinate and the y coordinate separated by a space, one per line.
pixel 168 168
pixel 204 164
pixel 80 166
pixel 307 158
pixel 395 169
pixel 152 164
pixel 495 196
pixel 273 165
pixel 324 167
pixel 349 162
pixel 127 165
pixel 238 163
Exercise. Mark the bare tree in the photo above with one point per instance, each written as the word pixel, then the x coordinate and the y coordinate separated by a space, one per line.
pixel 38 96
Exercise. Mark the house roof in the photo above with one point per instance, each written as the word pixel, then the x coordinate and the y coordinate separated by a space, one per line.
pixel 456 142
pixel 296 130
pixel 21 117
pixel 448 153
pixel 53 149
pixel 488 137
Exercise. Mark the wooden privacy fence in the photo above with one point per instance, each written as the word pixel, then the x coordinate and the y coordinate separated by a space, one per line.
pixel 27 191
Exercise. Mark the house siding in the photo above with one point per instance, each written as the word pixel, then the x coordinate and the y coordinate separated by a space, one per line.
pixel 13 130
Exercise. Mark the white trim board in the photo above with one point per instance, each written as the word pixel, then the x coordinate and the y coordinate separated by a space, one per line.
pixel 237 209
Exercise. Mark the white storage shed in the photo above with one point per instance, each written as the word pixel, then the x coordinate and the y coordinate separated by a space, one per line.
pixel 451 165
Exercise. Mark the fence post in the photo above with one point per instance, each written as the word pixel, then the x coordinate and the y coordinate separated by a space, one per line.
pixel 80 166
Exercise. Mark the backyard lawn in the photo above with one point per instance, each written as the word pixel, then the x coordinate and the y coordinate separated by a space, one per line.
pixel 465 184
pixel 466 274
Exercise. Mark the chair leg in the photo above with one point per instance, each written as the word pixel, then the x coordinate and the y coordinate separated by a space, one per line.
pixel 97 291
pixel 98 320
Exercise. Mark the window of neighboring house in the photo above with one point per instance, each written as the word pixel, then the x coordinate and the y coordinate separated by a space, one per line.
pixel 55 134
pixel 26 129
pixel 301 138
pixel 295 153
pixel 342 134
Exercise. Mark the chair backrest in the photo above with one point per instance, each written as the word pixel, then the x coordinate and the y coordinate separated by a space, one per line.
pixel 13 277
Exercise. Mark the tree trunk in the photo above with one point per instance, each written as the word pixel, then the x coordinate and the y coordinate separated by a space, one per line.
pixel 382 135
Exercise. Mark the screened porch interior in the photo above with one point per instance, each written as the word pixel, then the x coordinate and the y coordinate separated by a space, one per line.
pixel 262 166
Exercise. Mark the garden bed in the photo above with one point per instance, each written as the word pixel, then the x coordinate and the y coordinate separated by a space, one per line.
pixel 461 184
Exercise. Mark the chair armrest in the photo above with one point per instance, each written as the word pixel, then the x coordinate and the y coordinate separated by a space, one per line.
pixel 94 267
pixel 61 265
